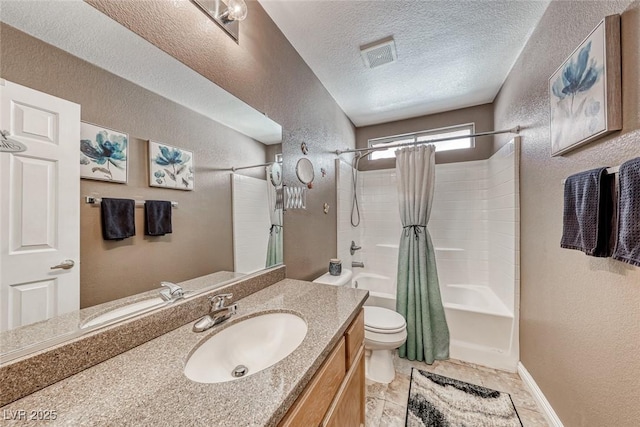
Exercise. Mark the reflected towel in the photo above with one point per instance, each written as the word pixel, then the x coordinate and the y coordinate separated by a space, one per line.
pixel 157 215
pixel 588 212
pixel 628 241
pixel 118 218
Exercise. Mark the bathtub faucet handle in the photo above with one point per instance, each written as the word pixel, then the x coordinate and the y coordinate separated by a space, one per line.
pixel 354 248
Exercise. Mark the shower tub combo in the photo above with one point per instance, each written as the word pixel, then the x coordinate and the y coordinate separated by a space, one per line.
pixel 480 326
pixel 474 227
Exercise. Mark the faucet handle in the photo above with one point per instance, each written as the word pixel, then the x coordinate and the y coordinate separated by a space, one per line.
pixel 217 301
pixel 172 286
pixel 173 292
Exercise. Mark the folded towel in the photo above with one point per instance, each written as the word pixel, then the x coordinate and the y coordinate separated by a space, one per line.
pixel 628 234
pixel 157 214
pixel 118 218
pixel 588 212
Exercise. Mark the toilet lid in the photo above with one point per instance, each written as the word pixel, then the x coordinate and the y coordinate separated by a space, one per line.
pixel 378 319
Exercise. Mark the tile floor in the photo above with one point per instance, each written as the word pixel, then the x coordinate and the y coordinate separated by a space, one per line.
pixel 387 404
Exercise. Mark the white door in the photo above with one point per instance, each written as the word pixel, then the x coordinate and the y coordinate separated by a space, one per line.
pixel 40 207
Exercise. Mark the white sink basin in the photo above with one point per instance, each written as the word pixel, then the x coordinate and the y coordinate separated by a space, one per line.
pixel 255 344
pixel 124 311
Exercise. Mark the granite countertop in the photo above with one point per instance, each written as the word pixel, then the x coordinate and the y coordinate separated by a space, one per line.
pixel 68 325
pixel 147 386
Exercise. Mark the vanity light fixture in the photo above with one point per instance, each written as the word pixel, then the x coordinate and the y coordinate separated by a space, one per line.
pixel 236 11
pixel 226 13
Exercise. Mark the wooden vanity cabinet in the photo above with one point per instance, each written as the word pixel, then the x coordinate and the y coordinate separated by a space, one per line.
pixel 335 396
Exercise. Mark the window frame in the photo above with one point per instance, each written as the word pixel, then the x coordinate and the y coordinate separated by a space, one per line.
pixel 415 135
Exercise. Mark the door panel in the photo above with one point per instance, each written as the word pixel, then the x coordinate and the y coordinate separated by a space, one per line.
pixel 40 209
pixel 32 302
pixel 34 122
pixel 33 188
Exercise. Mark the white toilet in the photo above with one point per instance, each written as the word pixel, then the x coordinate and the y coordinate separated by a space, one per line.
pixel 384 331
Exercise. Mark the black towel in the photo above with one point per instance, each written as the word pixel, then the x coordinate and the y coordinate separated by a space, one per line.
pixel 588 212
pixel 157 217
pixel 118 218
pixel 628 241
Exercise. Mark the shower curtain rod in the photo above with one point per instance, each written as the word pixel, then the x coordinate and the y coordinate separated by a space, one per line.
pixel 233 168
pixel 515 130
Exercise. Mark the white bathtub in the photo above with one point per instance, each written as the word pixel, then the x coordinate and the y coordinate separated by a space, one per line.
pixel 481 327
pixel 382 292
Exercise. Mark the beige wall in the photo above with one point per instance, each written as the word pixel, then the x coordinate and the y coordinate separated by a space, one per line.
pixel 580 316
pixel 266 72
pixel 201 242
pixel 481 115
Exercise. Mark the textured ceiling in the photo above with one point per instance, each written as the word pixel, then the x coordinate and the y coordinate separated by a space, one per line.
pixel 451 54
pixel 71 26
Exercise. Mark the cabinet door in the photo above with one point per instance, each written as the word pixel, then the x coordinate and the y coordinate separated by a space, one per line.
pixel 348 409
pixel 312 405
pixel 354 338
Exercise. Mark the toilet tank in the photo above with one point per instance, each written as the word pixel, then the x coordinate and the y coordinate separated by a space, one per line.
pixel 343 279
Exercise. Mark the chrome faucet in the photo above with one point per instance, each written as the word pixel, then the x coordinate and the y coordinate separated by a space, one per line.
pixel 172 293
pixel 358 264
pixel 354 248
pixel 218 313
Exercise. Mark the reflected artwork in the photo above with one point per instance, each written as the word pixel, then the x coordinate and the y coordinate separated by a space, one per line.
pixel 170 167
pixel 103 154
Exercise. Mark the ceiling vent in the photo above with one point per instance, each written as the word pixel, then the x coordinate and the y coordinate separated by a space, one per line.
pixel 379 52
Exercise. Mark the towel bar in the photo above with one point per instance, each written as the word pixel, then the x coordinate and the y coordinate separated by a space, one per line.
pixel 610 171
pixel 96 200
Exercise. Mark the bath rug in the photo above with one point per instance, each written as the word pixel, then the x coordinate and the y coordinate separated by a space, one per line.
pixel 437 401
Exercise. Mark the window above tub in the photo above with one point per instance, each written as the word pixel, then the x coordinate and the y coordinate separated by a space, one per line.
pixel 464 142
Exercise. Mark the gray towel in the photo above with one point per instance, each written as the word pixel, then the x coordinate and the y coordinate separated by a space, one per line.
pixel 157 215
pixel 588 212
pixel 628 242
pixel 118 218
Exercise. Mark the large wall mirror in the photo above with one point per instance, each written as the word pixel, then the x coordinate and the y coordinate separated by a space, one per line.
pixel 124 84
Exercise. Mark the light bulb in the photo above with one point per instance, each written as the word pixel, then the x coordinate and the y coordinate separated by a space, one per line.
pixel 237 10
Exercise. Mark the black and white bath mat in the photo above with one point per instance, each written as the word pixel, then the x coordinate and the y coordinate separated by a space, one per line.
pixel 437 401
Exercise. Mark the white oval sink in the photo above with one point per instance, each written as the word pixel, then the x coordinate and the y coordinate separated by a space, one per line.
pixel 124 311
pixel 255 343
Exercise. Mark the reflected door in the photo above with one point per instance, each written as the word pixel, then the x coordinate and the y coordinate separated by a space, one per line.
pixel 40 208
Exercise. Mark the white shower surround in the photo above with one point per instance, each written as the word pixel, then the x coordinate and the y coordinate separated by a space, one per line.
pixel 475 230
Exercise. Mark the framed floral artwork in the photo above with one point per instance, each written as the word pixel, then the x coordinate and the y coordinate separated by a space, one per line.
pixel 170 167
pixel 103 153
pixel 585 93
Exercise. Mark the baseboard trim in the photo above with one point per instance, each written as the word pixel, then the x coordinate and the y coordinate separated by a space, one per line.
pixel 541 400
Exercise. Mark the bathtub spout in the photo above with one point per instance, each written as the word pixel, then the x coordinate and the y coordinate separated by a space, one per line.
pixel 358 264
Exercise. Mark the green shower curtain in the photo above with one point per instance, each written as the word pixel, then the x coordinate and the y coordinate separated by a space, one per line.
pixel 274 248
pixel 418 294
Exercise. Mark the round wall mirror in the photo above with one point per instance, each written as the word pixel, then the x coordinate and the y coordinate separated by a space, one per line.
pixel 304 170
pixel 276 174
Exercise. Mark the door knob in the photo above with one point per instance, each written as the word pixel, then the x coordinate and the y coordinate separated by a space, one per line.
pixel 65 265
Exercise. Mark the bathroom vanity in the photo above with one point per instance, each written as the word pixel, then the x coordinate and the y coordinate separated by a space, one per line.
pixel 336 395
pixel 320 383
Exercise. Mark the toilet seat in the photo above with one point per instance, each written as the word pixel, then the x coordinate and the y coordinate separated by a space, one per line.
pixel 383 321
pixel 384 331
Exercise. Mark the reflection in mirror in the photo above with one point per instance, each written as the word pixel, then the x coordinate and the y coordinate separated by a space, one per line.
pixel 275 174
pixel 257 219
pixel 276 208
pixel 121 279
